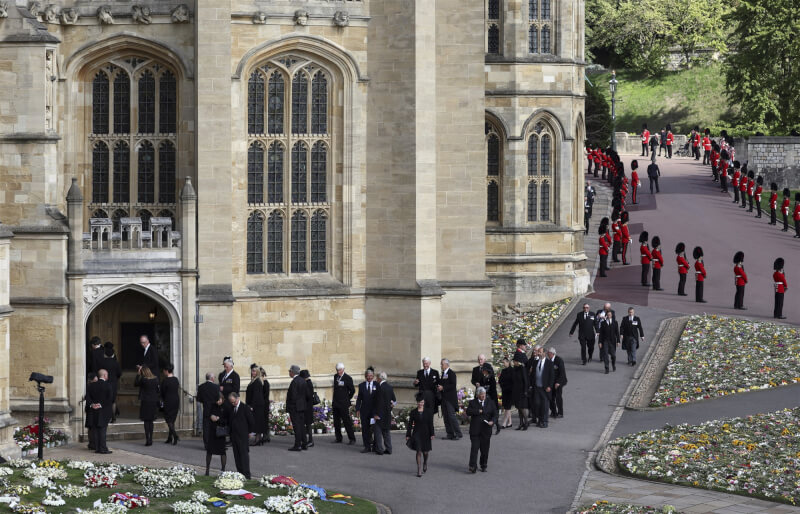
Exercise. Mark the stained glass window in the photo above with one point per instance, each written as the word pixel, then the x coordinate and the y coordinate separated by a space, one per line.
pixel 299 104
pixel 146 173
pixel 299 172
pixel 319 104
pixel 168 100
pixel 255 104
pixel 299 222
pixel 319 227
pixel 255 243
pixel 275 173
pixel 100 104
pixel 319 172
pixel 166 172
pixel 100 173
pixel 492 202
pixel 122 170
pixel 147 103
pixel 122 104
pixel 255 173
pixel 275 243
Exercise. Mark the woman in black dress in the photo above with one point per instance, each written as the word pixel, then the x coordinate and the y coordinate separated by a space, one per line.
pixel 266 402
pixel 215 444
pixel 255 400
pixel 171 398
pixel 419 434
pixel 309 415
pixel 148 401
pixel 507 390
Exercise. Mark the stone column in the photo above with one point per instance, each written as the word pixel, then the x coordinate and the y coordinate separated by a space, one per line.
pixel 75 219
pixel 7 445
pixel 188 215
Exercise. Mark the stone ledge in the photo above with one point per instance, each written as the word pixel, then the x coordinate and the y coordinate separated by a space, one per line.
pixel 34 301
pixel 6 420
pixel 30 137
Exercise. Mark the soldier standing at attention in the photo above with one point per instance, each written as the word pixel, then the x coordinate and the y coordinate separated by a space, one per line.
pixel 751 187
pixel 646 257
pixel 615 228
pixel 773 204
pixel 796 215
pixel 707 147
pixel 634 179
pixel 724 162
pixel 603 242
pixel 743 187
pixel 785 209
pixel 735 181
pixel 780 288
pixel 699 274
pixel 757 194
pixel 696 143
pixel 683 268
pixel 658 263
pixel 626 237
pixel 715 160
pixel 645 139
pixel 741 280
pixel 670 140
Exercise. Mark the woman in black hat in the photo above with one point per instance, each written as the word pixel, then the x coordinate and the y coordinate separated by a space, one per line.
pixel 741 280
pixel 171 399
pixel 683 268
pixel 780 288
pixel 699 274
pixel 644 250
pixel 658 263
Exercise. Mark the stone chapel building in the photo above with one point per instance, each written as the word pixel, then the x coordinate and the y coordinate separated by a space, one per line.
pixel 280 181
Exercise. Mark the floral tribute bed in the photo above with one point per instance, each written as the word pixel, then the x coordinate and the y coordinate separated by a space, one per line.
pixel 51 486
pixel 754 456
pixel 27 438
pixel 604 507
pixel 719 356
pixel 530 325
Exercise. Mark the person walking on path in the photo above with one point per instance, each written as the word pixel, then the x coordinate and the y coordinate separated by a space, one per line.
pixel 658 263
pixel 645 139
pixel 740 278
pixel 448 387
pixel 699 274
pixel 483 416
pixel 616 229
pixel 785 208
pixel 653 172
pixel 707 147
pixel 383 415
pixel 602 231
pixel 308 417
pixel 420 433
pixel 296 407
pixel 662 140
pixel 773 203
pixel 653 146
pixel 631 332
pixel 635 182
pixel 646 257
pixel 520 389
pixel 585 322
pixel 148 401
pixel 365 408
pixel 779 279
pixel 240 421
pixel 543 378
pixel 724 163
pixel 214 442
pixel 683 268
pixel 608 339
pixel 255 399
pixel 171 400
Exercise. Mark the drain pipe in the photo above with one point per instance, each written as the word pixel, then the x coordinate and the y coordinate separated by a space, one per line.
pixel 197 320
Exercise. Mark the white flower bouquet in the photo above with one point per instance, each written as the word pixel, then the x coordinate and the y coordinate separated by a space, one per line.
pixel 83 465
pixel 267 481
pixel 19 463
pixel 289 505
pixel 5 472
pixel 129 500
pixel 189 507
pixel 41 482
pixel 245 509
pixel 27 508
pixel 99 477
pixel 50 473
pixel 73 491
pixel 52 499
pixel 200 496
pixel 229 480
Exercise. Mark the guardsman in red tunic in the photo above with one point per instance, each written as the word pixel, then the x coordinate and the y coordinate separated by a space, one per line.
pixel 740 278
pixel 785 209
pixel 683 268
pixel 743 187
pixel 589 154
pixel 645 140
pixel 626 237
pixel 603 242
pixel 617 231
pixel 696 143
pixel 644 250
pixel 707 147
pixel 796 216
pixel 634 179
pixel 780 288
pixel 670 140
pixel 757 194
pixel 598 159
pixel 658 263
pixel 773 204
pixel 723 170
pixel 699 274
pixel 751 187
pixel 735 181
pixel 715 160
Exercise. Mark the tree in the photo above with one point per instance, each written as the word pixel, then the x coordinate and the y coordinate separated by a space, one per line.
pixel 763 75
pixel 698 24
pixel 598 117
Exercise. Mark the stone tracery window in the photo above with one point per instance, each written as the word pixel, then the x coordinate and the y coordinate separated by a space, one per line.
pixel 133 138
pixel 494 165
pixel 289 116
pixel 493 11
pixel 540 174
pixel 540 27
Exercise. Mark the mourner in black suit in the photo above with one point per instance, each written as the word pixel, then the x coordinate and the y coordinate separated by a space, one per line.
pixel 448 386
pixel 542 381
pixel 383 416
pixel 308 417
pixel 228 380
pixel 343 391
pixel 365 407
pixel 256 401
pixel 519 391
pixel 87 410
pixel 477 372
pixel 609 313
pixel 608 340
pixel 215 443
pixel 148 401
pixel 266 402
pixel 428 382
pixel 483 415
pixel 171 400
pixel 207 395
pixel 97 354
pixel 240 421
pixel 99 397
pixel 631 331
pixel 559 381
pixel 111 365
pixel 296 407
pixel 585 322
pixel 489 382
pixel 149 356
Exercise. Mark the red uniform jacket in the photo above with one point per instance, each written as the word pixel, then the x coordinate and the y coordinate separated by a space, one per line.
pixel 780 282
pixel 714 158
pixel 645 136
pixel 759 189
pixel 626 236
pixel 743 185
pixel 658 259
pixel 740 275
pixel 724 168
pixel 750 185
pixel 670 138
pixel 683 265
pixel 796 216
pixel 617 233
pixel 696 140
pixel 706 143
pixel 773 201
pixel 603 245
pixel 598 156
pixel 634 179
pixel 735 179
pixel 785 207
pixel 699 271
pixel 646 255
pixel 608 238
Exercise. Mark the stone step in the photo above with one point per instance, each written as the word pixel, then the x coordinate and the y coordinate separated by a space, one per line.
pixel 128 429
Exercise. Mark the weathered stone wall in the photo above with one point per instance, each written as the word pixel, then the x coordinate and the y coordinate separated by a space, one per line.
pixel 777 159
pixel 632 143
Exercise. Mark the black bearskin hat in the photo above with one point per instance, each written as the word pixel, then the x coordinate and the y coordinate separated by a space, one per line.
pixel 750 174
pixel 615 214
pixel 680 248
pixel 601 230
pixel 656 242
pixel 669 127
pixel 625 217
pixel 797 197
pixel 634 164
pixel 644 125
pixel 707 131
pixel 643 237
pixel 737 164
pixel 739 257
pixel 773 186
pixel 786 192
pixel 778 265
pixel 760 180
pixel 724 155
pixel 697 252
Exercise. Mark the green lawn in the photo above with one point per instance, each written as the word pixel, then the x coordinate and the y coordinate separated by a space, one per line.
pixel 765 206
pixel 203 483
pixel 682 98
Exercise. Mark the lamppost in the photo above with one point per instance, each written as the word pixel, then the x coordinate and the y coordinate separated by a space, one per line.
pixel 612 84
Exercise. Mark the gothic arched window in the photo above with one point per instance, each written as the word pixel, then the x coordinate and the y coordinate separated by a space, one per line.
pixel 146 173
pixel 255 104
pixel 122 103
pixel 492 201
pixel 276 102
pixel 533 39
pixel 167 103
pixel 300 103
pixel 255 243
pixel 275 243
pixel 100 173
pixel 122 173
pixel 275 173
pixel 100 103
pixel 319 172
pixel 494 172
pixel 540 173
pixel 493 40
pixel 299 173
pixel 319 234
pixel 255 173
pixel 319 104
pixel 493 24
pixel 147 103
pixel 166 172
pixel 299 222
pixel 540 27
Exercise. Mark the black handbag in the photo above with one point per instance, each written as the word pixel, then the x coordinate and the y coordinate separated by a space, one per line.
pixel 315 400
pixel 221 431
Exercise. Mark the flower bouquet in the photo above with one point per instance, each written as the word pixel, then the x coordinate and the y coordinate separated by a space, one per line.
pixel 272 482
pixel 5 472
pixel 129 500
pixel 189 507
pixel 47 472
pixel 96 477
pixel 27 508
pixel 41 482
pixel 604 507
pixel 245 509
pixel 52 499
pixel 200 496
pixel 229 480
pixel 529 325
pixel 18 463
pixel 73 491
pixel 83 465
pixel 18 490
pixel 289 505
pixel 107 508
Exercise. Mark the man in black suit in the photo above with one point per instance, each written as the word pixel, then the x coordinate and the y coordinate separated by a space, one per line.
pixel 242 426
pixel 631 332
pixel 111 365
pixel 91 377
pixel 149 356
pixel 99 397
pixel 608 340
pixel 477 371
pixel 97 354
pixel 428 382
pixel 559 381
pixel 207 395
pixel 483 415
pixel 343 391
pixel 448 387
pixel 296 407
pixel 609 313
pixel 543 379
pixel 385 401
pixel 365 407
pixel 585 323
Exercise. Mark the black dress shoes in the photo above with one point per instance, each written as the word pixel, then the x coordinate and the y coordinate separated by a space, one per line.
pixel 351 442
pixel 473 470
pixel 336 442
pixel 366 450
pixel 483 469
pixel 294 449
